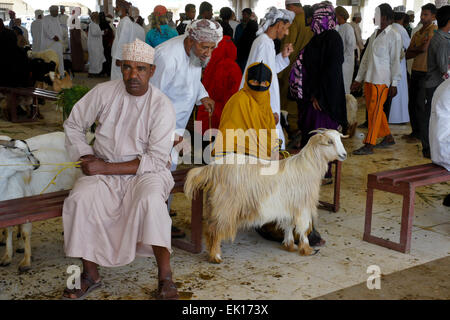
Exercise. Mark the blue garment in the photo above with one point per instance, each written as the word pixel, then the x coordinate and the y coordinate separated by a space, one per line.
pixel 239 31
pixel 154 37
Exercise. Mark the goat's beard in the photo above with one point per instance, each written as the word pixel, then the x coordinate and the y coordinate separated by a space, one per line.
pixel 196 61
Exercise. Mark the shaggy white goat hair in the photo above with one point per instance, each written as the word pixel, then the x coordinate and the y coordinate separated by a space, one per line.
pixel 238 195
pixel 352 108
pixel 22 181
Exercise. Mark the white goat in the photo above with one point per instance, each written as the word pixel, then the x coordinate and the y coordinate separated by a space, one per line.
pixel 238 195
pixel 22 181
pixel 352 109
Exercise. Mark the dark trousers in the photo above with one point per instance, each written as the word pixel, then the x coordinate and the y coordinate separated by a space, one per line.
pixel 417 97
pixel 424 123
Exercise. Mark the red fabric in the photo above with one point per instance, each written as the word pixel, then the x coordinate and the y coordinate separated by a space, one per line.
pixel 221 78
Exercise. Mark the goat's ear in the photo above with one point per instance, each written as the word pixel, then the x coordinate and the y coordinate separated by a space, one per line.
pixel 8 144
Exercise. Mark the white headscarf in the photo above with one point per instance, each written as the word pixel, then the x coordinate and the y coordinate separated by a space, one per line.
pixel 38 13
pixel 205 31
pixel 134 12
pixel 272 16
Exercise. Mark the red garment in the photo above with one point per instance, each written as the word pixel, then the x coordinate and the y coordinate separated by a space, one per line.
pixel 221 78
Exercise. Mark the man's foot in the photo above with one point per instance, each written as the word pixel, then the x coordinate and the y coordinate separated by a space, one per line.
pixel 426 154
pixel 363 125
pixel 364 150
pixel 167 290
pixel 177 233
pixel 87 283
pixel 410 138
pixel 385 143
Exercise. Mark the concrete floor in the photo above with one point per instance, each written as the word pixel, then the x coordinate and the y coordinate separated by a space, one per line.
pixel 255 268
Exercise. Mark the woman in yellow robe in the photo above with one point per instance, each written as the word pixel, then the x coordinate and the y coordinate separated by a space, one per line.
pixel 247 124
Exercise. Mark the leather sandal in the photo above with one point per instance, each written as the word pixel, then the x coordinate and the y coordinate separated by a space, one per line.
pixel 80 294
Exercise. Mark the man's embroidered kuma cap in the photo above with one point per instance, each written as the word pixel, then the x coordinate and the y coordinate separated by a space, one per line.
pixel 138 51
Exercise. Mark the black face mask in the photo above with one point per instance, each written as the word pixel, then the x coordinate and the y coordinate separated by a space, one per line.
pixel 260 73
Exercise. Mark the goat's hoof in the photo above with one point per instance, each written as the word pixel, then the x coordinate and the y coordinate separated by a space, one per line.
pixel 306 251
pixel 289 246
pixel 2 244
pixel 215 259
pixel 5 263
pixel 18 250
pixel 24 267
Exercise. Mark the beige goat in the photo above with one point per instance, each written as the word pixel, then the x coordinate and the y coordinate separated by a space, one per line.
pixel 239 195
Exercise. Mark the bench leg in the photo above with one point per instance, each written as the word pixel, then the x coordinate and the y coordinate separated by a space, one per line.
pixel 407 220
pixel 337 186
pixel 405 231
pixel 195 245
pixel 368 220
pixel 196 222
pixel 337 190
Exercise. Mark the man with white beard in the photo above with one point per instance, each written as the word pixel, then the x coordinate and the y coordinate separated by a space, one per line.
pixel 52 36
pixel 179 71
pixel 180 61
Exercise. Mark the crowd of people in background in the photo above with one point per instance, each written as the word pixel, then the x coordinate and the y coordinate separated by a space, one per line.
pixel 241 75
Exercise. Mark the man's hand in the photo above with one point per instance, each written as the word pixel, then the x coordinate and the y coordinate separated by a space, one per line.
pixel 118 63
pixel 276 117
pixel 287 50
pixel 209 104
pixel 55 38
pixel 355 86
pixel 392 92
pixel 316 104
pixel 91 165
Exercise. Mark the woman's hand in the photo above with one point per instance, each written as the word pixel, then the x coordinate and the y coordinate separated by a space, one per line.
pixel 316 104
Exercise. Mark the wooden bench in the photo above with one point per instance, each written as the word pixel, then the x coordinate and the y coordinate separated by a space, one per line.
pixel 12 95
pixel 49 205
pixel 402 181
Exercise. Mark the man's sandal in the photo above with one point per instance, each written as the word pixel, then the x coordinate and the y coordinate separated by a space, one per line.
pixel 167 290
pixel 362 151
pixel 384 144
pixel 92 285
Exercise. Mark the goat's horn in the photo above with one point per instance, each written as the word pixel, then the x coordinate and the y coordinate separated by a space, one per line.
pixel 8 144
pixel 317 131
pixel 345 137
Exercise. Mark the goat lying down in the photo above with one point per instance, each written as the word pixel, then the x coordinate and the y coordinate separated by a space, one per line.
pixel 21 181
pixel 238 195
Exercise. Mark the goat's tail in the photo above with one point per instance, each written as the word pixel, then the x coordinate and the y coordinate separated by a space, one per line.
pixel 196 179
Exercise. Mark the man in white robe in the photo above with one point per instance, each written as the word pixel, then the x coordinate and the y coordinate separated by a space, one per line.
pixel 356 20
pixel 276 26
pixel 179 71
pixel 179 68
pixel 63 18
pixel 399 106
pixel 52 36
pixel 347 34
pixel 36 30
pixel 125 33
pixel 138 30
pixel 439 131
pixel 118 210
pixel 95 46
